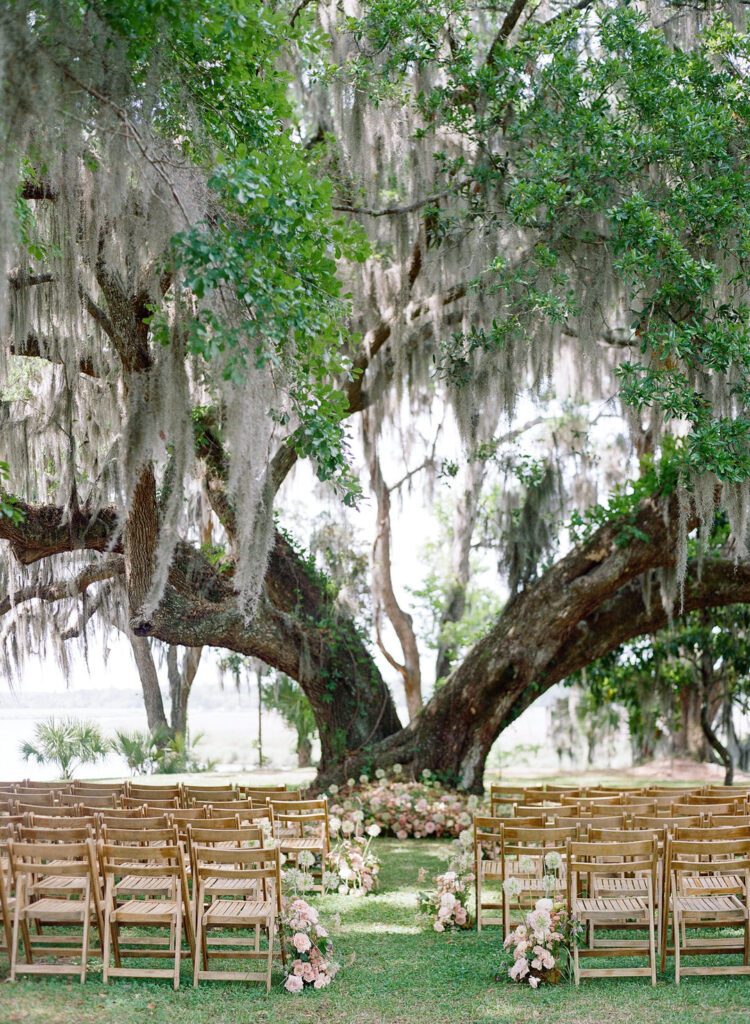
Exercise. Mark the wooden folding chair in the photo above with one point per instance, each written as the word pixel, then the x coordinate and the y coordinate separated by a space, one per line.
pixel 302 826
pixel 197 796
pixel 592 861
pixel 503 799
pixel 238 889
pixel 586 821
pixel 184 816
pixel 148 793
pixel 152 806
pixel 704 809
pixel 42 806
pixel 91 801
pixel 53 834
pixel 709 884
pixel 487 867
pixel 524 855
pixel 56 884
pixel 7 903
pixel 99 788
pixel 167 906
pixel 659 822
pixel 58 821
pixel 549 811
pixel 724 820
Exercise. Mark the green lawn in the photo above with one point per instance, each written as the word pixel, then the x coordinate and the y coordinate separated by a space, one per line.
pixel 395 973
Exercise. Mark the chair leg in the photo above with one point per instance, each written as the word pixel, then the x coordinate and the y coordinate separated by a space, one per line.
pixel 85 943
pixel 270 953
pixel 107 941
pixel 651 944
pixel 14 946
pixel 576 964
pixel 676 931
pixel 178 944
pixel 479 899
pixel 198 947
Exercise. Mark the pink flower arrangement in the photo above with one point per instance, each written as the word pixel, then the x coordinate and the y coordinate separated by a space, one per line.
pixel 309 948
pixel 354 868
pixel 401 808
pixel 540 947
pixel 447 904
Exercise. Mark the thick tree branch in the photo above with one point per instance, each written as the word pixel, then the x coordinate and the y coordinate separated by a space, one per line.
pixel 61 589
pixel 34 347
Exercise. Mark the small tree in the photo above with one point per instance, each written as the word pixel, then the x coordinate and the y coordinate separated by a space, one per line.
pixel 67 744
pixel 286 697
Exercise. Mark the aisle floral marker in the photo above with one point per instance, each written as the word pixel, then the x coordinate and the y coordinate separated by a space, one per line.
pixel 309 948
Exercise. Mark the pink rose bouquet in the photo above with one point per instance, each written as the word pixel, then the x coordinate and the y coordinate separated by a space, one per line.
pixel 308 947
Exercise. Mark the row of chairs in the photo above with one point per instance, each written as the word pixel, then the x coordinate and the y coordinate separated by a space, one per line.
pixel 117 887
pixel 532 858
pixel 291 827
pixel 503 798
pixel 14 796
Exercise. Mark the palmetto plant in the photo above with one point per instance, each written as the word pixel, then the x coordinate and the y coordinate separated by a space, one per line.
pixel 68 744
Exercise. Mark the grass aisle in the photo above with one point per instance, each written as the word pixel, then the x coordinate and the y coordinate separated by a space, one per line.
pixel 394 972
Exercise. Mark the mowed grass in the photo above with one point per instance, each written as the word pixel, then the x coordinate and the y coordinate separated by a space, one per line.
pixel 395 971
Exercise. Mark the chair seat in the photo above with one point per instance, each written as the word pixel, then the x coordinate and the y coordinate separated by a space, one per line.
pixel 491 869
pixel 620 906
pixel 145 912
pixel 135 884
pixel 59 883
pixel 697 885
pixel 299 844
pixel 621 885
pixel 215 886
pixel 222 911
pixel 48 909
pixel 711 904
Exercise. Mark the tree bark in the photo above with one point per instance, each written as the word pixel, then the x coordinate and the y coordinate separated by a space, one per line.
pixel 385 597
pixel 708 683
pixel 181 679
pixel 304 753
pixel 464 520
pixel 152 699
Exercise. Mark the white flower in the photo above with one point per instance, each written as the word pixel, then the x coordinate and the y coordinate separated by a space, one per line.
pixel 350 782
pixel 398 769
pixel 364 779
pixel 334 823
pixel 373 830
pixel 306 858
pixel 333 789
pixel 379 773
pixel 544 905
pixel 347 827
pixel 330 880
pixel 553 860
pixel 426 773
pixel 343 889
pixel 512 887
